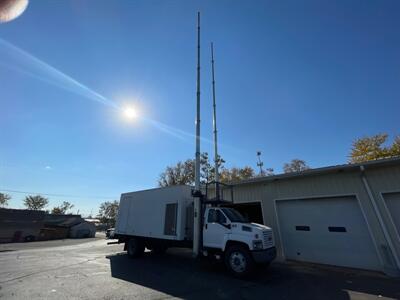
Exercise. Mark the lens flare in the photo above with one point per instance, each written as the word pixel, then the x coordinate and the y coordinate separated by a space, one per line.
pixel 18 60
pixel 11 9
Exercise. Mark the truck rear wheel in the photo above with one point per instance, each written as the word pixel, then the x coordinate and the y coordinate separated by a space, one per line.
pixel 238 260
pixel 135 247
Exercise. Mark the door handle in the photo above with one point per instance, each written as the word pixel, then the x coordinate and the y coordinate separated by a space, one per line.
pixel 205 226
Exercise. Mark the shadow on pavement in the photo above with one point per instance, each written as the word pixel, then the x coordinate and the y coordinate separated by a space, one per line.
pixel 178 274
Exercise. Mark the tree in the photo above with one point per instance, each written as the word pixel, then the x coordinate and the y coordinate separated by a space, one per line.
pixel 236 174
pixel 207 169
pixel 181 173
pixel 395 149
pixel 4 198
pixel 266 172
pixel 295 165
pixel 37 202
pixel 108 212
pixel 184 172
pixel 372 148
pixel 62 209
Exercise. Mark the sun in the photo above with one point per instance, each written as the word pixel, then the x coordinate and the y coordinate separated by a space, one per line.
pixel 130 113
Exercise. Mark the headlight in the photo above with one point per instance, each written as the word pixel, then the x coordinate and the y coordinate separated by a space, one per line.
pixel 257 244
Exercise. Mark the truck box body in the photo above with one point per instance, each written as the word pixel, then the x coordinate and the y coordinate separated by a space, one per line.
pixel 162 213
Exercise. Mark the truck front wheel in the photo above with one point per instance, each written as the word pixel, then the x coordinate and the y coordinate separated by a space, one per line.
pixel 239 261
pixel 135 247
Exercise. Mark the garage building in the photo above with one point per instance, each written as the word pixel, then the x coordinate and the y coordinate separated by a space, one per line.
pixel 346 215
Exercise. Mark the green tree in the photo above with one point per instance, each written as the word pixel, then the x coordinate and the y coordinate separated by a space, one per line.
pixel 4 198
pixel 62 209
pixel 295 165
pixel 37 202
pixel 108 212
pixel 373 147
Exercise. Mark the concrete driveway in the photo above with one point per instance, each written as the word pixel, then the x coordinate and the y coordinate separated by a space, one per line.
pixel 92 270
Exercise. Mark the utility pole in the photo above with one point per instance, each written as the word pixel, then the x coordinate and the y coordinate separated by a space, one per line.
pixel 197 192
pixel 217 197
pixel 260 163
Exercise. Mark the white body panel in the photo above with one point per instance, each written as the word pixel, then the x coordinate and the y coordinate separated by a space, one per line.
pixel 142 213
pixel 214 235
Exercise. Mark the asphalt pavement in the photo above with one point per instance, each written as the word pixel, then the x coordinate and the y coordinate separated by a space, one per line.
pixel 91 269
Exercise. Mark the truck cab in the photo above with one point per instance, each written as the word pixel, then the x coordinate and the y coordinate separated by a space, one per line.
pixel 242 244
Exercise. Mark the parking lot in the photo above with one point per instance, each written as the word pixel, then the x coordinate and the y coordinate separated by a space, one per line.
pixel 91 269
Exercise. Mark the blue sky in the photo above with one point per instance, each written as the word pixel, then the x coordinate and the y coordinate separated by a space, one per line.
pixel 295 79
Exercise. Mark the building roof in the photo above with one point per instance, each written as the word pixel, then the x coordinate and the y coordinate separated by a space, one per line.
pixel 323 170
pixel 62 220
pixel 21 213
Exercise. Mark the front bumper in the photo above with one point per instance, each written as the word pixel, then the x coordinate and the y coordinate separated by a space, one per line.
pixel 264 256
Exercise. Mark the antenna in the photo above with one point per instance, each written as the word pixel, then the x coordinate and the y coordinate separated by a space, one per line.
pixel 260 163
pixel 215 127
pixel 197 192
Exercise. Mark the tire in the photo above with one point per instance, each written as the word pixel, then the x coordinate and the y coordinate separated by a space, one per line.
pixel 135 248
pixel 239 261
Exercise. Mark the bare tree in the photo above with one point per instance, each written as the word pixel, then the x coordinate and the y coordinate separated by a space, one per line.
pixel 184 172
pixel 37 202
pixel 62 209
pixel 4 198
pixel 108 212
pixel 295 165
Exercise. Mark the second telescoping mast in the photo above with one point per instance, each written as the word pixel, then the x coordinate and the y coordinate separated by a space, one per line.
pixel 216 157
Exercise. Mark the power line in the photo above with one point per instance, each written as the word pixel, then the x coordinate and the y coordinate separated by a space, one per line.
pixel 56 195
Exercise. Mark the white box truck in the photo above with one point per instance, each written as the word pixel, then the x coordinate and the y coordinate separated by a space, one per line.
pixel 161 218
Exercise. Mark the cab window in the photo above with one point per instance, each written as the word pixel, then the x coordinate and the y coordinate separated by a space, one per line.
pixel 212 216
pixel 216 216
pixel 221 219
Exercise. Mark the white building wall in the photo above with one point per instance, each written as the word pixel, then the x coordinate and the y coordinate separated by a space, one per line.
pixel 346 181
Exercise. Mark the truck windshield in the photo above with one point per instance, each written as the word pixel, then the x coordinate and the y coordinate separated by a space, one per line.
pixel 233 215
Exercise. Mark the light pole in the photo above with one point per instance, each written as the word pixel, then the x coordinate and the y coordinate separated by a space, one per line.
pixel 260 163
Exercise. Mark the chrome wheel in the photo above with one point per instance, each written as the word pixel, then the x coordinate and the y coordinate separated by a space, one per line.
pixel 237 262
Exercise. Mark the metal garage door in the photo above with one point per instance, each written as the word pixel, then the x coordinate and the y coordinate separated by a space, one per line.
pixel 328 231
pixel 392 201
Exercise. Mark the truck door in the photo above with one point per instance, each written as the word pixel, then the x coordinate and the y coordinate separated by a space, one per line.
pixel 215 228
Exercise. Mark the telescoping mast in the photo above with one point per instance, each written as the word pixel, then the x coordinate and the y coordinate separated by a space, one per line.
pixel 197 189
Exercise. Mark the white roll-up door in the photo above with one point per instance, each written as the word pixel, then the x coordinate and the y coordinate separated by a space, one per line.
pixel 392 201
pixel 328 231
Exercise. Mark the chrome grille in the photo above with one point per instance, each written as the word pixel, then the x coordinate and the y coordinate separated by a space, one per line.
pixel 268 239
